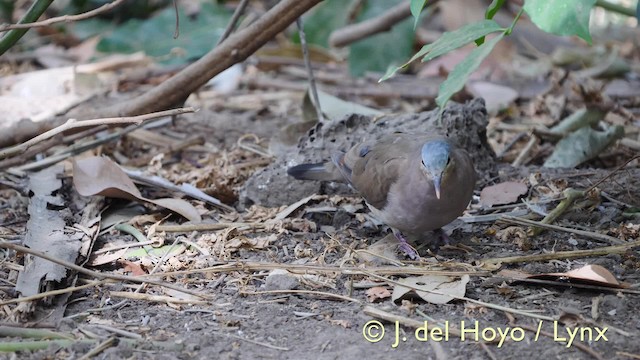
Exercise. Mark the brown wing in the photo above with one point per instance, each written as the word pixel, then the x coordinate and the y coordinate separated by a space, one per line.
pixel 375 166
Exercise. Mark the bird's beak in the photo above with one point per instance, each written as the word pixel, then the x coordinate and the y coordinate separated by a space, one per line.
pixel 436 186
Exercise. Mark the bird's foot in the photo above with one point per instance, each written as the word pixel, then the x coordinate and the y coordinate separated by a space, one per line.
pixel 405 247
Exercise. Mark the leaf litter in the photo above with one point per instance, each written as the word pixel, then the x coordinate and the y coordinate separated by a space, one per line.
pixel 304 242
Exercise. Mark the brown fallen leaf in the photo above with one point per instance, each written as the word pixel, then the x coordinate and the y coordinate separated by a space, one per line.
pixel 101 176
pixel 504 193
pixel 436 289
pixel 134 268
pixel 588 274
pixel 377 293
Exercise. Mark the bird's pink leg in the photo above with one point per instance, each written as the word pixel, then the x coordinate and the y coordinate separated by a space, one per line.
pixel 405 247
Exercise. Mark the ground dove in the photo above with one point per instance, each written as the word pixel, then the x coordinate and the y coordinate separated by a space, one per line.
pixel 413 183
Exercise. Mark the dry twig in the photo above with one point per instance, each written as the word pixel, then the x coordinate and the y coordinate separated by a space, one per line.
pixel 73 124
pixel 65 18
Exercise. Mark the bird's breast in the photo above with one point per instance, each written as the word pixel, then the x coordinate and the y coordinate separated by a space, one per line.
pixel 413 207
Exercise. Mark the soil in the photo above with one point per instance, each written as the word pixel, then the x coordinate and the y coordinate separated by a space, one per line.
pixel 241 323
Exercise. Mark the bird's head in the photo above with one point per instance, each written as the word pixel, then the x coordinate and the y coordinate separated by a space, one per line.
pixel 436 161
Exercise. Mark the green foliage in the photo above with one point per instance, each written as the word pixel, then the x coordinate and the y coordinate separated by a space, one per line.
pixel 371 54
pixel 154 36
pixel 566 17
pixel 376 52
pixel 416 9
pixel 128 10
pixel 90 27
pixel 326 17
pixel 459 75
pixel 450 41
pixel 493 8
pixel 6 9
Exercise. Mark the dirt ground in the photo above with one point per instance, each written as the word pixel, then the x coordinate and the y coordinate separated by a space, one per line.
pixel 320 236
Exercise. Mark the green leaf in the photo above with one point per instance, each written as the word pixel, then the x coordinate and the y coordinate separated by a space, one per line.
pixel 450 41
pixel 416 8
pixel 154 36
pixel 375 53
pixel 493 9
pixel 566 17
pixel 489 14
pixel 320 23
pixel 459 75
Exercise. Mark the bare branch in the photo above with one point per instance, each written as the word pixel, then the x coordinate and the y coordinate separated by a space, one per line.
pixel 72 124
pixel 65 18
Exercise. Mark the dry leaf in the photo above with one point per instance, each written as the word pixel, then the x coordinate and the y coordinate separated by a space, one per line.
pixel 588 274
pixel 377 293
pixel 101 176
pixel 134 268
pixel 436 289
pixel 504 193
pixel 344 323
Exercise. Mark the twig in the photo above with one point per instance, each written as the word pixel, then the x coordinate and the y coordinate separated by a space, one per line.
pixel 349 34
pixel 144 284
pixel 111 341
pixel 611 173
pixel 65 18
pixel 347 270
pixel 606 250
pixel 77 148
pixel 99 275
pixel 590 234
pixel 72 124
pixel 154 298
pixel 235 49
pixel 215 226
pixel 572 195
pixel 253 341
pixel 309 292
pixel 176 31
pixel 120 332
pixel 307 64
pixel 234 20
pixel 577 285
pixel 52 293
pixel 464 298
pixel 533 140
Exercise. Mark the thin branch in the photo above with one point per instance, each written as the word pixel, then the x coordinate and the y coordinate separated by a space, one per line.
pixel 235 49
pixel 308 292
pixel 52 293
pixel 594 235
pixel 602 251
pixel 72 124
pixel 234 20
pixel 307 64
pixel 176 33
pixel 65 18
pixel 99 275
pixel 351 33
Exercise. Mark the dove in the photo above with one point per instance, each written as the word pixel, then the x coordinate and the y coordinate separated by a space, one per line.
pixel 414 183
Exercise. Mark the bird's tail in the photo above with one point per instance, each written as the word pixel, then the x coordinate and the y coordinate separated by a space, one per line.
pixel 320 171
